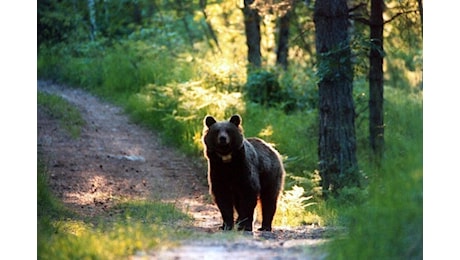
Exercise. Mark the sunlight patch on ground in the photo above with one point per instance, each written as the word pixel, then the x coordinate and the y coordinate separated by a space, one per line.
pixel 99 191
pixel 91 196
pixel 204 214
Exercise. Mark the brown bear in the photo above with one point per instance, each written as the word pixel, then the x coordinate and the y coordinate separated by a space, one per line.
pixel 240 172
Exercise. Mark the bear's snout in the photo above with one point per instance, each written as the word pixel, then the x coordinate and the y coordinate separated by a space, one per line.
pixel 223 138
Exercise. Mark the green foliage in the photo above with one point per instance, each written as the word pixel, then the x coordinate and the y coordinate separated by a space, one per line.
pixel 302 89
pixel 73 64
pixel 58 22
pixel 68 116
pixel 292 209
pixel 178 110
pixel 280 90
pixel 112 71
pixel 263 88
pixel 335 64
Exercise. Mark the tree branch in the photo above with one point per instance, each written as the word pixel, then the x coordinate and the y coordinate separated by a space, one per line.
pixel 356 7
pixel 360 19
pixel 358 16
pixel 399 14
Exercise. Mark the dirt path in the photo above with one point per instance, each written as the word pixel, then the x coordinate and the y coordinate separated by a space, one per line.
pixel 115 159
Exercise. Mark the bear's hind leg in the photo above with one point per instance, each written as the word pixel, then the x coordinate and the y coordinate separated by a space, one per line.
pixel 268 211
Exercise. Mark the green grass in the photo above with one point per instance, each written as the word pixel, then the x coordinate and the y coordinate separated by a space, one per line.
pixel 133 226
pixel 68 116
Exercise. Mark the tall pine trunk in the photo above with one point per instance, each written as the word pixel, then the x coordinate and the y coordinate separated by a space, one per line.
pixel 376 123
pixel 92 19
pixel 337 144
pixel 252 30
pixel 283 39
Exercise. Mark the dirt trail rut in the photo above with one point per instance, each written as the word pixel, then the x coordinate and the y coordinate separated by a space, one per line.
pixel 115 159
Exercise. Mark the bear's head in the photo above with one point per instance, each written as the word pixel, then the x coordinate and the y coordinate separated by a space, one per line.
pixel 222 138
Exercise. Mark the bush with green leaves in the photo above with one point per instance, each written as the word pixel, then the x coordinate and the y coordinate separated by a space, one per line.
pixel 262 87
pixel 282 90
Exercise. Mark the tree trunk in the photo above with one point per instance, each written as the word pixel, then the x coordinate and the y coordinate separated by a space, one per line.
pixel 420 9
pixel 92 19
pixel 252 30
pixel 203 4
pixel 376 124
pixel 137 13
pixel 337 145
pixel 183 12
pixel 283 39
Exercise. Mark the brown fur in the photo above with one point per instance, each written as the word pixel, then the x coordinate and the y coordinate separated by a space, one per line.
pixel 241 171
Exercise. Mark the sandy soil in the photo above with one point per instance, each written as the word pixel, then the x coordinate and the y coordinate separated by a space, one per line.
pixel 114 160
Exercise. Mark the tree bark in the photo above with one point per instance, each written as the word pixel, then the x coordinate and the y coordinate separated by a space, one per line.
pixel 376 123
pixel 283 39
pixel 137 13
pixel 337 144
pixel 92 19
pixel 203 4
pixel 182 12
pixel 420 9
pixel 252 30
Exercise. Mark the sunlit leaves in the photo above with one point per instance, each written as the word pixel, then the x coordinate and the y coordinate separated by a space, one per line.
pixel 293 208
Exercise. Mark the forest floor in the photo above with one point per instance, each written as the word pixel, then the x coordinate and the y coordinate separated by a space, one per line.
pixel 116 159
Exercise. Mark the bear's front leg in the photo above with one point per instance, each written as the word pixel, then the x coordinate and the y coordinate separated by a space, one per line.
pixel 226 210
pixel 245 223
pixel 245 206
pixel 225 205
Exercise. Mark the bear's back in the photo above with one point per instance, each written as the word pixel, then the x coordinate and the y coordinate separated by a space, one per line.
pixel 268 158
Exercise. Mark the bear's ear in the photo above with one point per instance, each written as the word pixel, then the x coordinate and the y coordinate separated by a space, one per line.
pixel 209 121
pixel 235 119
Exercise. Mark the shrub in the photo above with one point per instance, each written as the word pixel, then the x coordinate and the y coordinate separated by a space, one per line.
pixel 262 87
pixel 281 90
